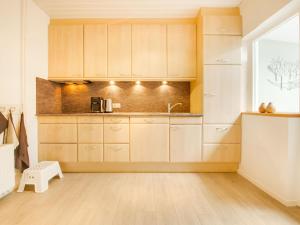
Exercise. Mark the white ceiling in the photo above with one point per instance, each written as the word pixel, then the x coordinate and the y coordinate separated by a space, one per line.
pixel 128 8
pixel 287 32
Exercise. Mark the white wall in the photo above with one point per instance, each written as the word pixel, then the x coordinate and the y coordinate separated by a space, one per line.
pixel 36 64
pixel 10 52
pixel 23 56
pixel 270 155
pixel 261 9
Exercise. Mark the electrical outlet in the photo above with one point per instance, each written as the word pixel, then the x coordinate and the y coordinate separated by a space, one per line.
pixel 116 105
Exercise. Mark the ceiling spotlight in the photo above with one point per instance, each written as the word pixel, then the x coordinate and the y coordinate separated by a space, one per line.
pixel 138 82
pixel 112 82
pixel 164 82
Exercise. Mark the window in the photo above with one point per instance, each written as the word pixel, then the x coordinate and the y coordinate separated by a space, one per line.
pixel 276 67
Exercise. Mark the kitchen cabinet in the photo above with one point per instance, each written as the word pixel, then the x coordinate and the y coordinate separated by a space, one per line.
pixel 225 134
pixel 90 133
pixel 222 25
pixel 222 93
pixel 149 51
pixel 149 142
pixel 116 152
pixel 222 49
pixel 116 133
pixel 119 50
pixel 58 133
pixel 185 143
pixel 181 40
pixel 58 152
pixel 95 51
pixel 90 152
pixel 66 51
pixel 221 153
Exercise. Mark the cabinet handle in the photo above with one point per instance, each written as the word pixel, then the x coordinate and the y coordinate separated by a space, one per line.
pixel 115 128
pixel 221 60
pixel 124 75
pixel 116 149
pixel 222 129
pixel 174 128
pixel 209 95
pixel 222 29
pixel 114 120
pixel 148 120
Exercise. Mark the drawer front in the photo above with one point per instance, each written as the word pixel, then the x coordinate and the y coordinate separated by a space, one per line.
pixel 185 120
pixel 116 133
pixel 150 120
pixel 58 152
pixel 116 153
pixel 229 25
pixel 90 119
pixel 57 119
pixel 90 133
pixel 90 152
pixel 221 134
pixel 116 119
pixel 57 133
pixel 221 153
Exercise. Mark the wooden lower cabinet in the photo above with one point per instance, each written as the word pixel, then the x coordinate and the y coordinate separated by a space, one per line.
pixel 149 142
pixel 221 152
pixel 90 133
pixel 222 134
pixel 185 143
pixel 58 152
pixel 90 152
pixel 116 133
pixel 58 133
pixel 116 152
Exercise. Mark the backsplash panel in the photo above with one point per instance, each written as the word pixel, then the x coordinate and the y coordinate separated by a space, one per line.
pixel 150 96
pixel 146 97
pixel 48 96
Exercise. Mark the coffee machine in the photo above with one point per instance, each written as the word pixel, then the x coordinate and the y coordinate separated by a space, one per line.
pixel 97 105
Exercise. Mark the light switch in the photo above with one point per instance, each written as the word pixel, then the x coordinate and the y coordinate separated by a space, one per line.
pixel 116 105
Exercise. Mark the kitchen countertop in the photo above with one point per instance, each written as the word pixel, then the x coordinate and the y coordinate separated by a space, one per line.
pixel 124 114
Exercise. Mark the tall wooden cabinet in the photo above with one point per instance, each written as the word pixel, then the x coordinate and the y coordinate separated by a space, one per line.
pixel 66 51
pixel 221 35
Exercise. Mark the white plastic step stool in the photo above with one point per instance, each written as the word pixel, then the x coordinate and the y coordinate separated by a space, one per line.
pixel 40 175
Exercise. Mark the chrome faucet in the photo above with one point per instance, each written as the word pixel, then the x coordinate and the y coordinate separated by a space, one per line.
pixel 170 106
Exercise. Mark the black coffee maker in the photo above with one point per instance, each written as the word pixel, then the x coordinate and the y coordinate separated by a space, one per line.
pixel 96 104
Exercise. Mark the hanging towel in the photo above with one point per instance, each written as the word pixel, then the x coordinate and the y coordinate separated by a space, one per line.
pixel 3 127
pixel 10 135
pixel 22 158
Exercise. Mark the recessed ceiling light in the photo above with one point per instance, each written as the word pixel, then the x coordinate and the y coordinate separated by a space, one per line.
pixel 138 82
pixel 112 82
pixel 164 82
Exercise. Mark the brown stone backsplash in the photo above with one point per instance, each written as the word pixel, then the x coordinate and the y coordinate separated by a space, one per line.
pixel 48 96
pixel 146 97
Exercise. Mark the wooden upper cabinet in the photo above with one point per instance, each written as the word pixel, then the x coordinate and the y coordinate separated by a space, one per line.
pixel 149 50
pixel 119 50
pixel 65 51
pixel 181 39
pixel 95 50
pixel 221 49
pixel 224 25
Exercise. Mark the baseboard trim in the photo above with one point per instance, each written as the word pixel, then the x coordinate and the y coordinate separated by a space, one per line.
pixel 286 202
pixel 148 167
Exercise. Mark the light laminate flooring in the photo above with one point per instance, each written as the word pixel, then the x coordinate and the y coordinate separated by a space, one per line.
pixel 147 199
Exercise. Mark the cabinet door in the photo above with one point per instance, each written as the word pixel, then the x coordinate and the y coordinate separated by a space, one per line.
pixel 116 153
pixel 58 133
pixel 185 143
pixel 221 153
pixel 90 152
pixel 149 52
pixel 119 50
pixel 181 50
pixel 65 51
pixel 58 152
pixel 226 134
pixel 116 133
pixel 149 142
pixel 225 25
pixel 222 94
pixel 90 133
pixel 220 49
pixel 95 50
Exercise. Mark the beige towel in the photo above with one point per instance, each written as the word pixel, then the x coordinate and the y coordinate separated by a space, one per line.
pixel 11 136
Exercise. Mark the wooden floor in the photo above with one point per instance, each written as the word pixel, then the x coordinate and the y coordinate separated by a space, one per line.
pixel 146 199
